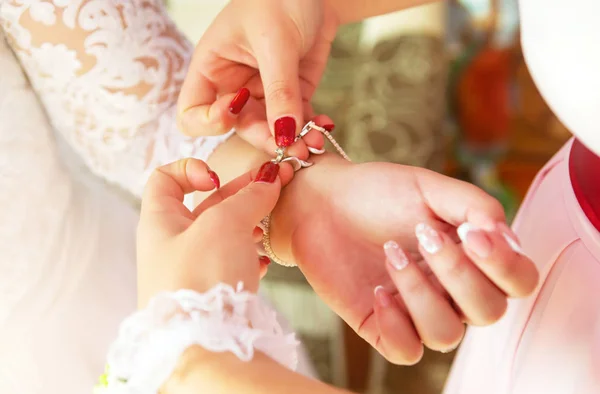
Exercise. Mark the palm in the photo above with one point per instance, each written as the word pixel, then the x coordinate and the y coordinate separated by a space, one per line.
pixel 368 205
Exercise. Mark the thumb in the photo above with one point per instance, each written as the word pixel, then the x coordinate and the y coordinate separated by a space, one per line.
pixel 250 203
pixel 162 202
pixel 278 61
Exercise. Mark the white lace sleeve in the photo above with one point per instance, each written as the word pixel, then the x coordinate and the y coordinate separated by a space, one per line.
pixel 108 73
pixel 223 319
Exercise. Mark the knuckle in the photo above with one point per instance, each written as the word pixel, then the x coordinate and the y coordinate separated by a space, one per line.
pixel 415 286
pixel 280 91
pixel 492 313
pixel 185 125
pixel 448 341
pixel 199 121
pixel 456 267
pixel 215 217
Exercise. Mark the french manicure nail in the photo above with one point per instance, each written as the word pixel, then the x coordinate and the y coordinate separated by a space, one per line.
pixel 428 238
pixel 475 239
pixel 512 243
pixel 395 255
pixel 214 178
pixel 509 236
pixel 267 173
pixel 316 151
pixel 264 260
pixel 329 127
pixel 383 297
pixel 450 350
pixel 285 131
pixel 239 101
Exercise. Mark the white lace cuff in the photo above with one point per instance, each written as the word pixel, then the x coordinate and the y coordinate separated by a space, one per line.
pixel 151 341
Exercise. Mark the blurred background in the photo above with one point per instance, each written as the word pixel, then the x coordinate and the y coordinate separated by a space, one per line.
pixel 442 86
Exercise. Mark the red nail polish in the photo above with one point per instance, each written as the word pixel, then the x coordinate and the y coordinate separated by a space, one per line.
pixel 267 173
pixel 214 178
pixel 239 101
pixel 264 260
pixel 329 127
pixel 285 131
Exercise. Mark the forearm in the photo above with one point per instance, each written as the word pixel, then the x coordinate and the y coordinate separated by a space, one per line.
pixel 201 371
pixel 355 10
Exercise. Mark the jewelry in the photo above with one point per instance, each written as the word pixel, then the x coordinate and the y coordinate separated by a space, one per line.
pixel 297 164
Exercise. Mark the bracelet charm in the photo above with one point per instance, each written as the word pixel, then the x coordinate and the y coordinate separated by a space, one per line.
pixel 297 164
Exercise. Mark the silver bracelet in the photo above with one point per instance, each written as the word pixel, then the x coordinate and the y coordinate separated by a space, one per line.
pixel 297 164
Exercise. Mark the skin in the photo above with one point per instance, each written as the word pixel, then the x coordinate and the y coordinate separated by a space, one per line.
pixel 203 371
pixel 179 249
pixel 325 204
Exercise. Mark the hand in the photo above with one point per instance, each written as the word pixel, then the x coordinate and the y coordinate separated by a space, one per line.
pixel 334 219
pixel 179 249
pixel 277 49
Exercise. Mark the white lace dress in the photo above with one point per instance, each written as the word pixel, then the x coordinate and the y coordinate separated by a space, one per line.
pixel 107 73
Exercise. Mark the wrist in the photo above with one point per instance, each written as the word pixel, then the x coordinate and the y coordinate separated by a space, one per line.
pixel 298 199
pixel 354 11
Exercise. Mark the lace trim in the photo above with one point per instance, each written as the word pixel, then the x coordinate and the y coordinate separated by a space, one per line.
pixel 223 319
pixel 108 73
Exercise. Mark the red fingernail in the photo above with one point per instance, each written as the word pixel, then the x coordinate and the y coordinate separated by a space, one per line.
pixel 267 173
pixel 329 127
pixel 214 178
pixel 285 131
pixel 264 260
pixel 239 101
pixel 383 297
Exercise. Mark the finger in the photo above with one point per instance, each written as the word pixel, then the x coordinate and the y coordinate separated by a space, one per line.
pixel 313 142
pixel 168 185
pixel 285 175
pixel 264 262
pixel 505 266
pixel 398 341
pixel 196 112
pixel 437 324
pixel 281 82
pixel 257 234
pixel 221 116
pixel 244 209
pixel 478 298
pixel 315 139
pixel 457 202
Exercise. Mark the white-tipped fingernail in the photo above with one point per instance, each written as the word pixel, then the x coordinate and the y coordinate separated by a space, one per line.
pixel 316 151
pixel 383 297
pixel 450 350
pixel 513 244
pixel 395 255
pixel 464 229
pixel 429 239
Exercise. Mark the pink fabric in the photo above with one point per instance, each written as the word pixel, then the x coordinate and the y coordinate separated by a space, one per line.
pixel 549 342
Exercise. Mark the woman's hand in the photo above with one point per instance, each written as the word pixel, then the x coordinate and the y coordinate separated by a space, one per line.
pixel 334 219
pixel 277 49
pixel 179 249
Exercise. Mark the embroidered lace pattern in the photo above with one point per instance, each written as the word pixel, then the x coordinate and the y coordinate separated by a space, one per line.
pixel 223 319
pixel 108 73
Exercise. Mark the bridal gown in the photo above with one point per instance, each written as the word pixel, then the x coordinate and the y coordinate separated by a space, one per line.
pixel 97 100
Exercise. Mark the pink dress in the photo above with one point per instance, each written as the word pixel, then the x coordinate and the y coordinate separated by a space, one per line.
pixel 549 342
